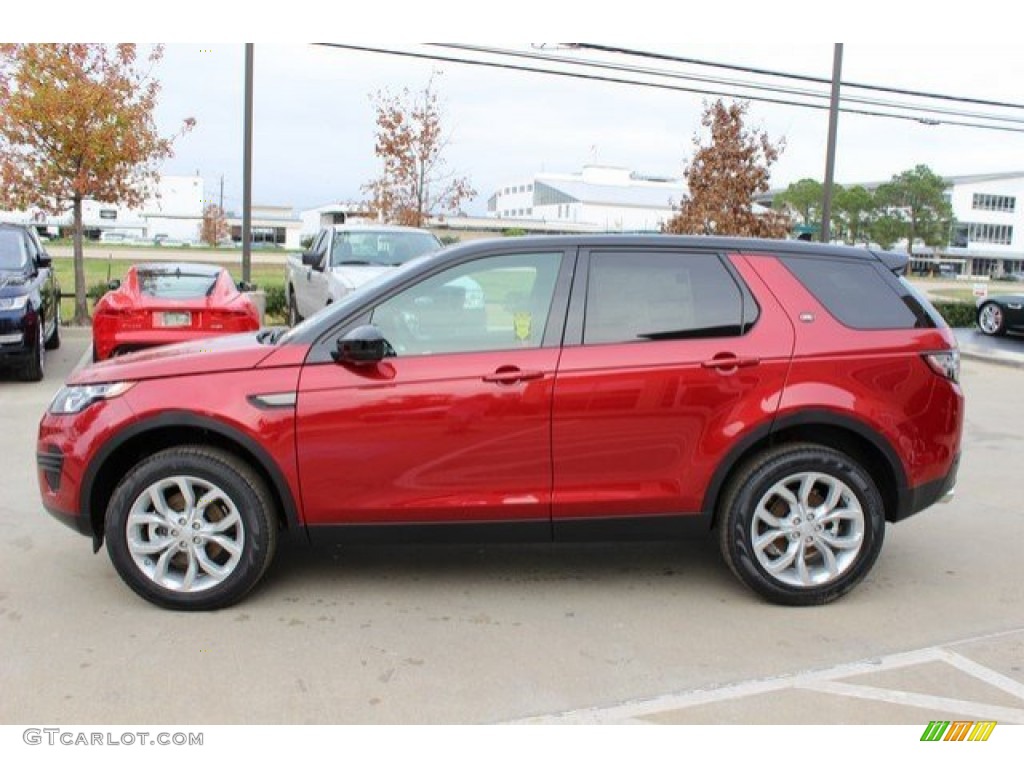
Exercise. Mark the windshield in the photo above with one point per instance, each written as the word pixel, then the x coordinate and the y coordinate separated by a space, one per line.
pixel 178 284
pixel 13 250
pixel 380 248
pixel 342 306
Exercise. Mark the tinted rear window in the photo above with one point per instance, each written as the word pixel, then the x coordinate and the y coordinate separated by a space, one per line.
pixel 859 294
pixel 176 285
pixel 660 296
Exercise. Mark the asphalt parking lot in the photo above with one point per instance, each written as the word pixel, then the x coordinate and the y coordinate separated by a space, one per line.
pixel 657 633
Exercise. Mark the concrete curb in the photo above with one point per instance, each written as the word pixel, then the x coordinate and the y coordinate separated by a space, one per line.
pixel 985 357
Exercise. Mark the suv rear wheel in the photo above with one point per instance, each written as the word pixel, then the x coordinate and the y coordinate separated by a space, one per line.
pixel 801 524
pixel 191 528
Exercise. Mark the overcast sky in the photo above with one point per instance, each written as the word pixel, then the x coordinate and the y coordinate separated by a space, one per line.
pixel 314 127
pixel 314 130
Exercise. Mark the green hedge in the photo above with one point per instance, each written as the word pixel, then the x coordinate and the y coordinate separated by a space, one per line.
pixel 275 301
pixel 956 313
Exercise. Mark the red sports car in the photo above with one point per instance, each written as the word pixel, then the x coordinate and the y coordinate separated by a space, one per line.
pixel 163 303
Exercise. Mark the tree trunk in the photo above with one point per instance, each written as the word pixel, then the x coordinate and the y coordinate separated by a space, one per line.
pixel 81 303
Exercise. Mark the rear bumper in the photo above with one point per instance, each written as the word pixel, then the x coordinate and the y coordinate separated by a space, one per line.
pixel 79 523
pixel 924 496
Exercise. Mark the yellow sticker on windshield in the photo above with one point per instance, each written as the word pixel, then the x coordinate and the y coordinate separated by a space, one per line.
pixel 522 322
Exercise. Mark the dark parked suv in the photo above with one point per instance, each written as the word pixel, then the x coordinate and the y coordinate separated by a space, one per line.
pixel 29 302
pixel 790 396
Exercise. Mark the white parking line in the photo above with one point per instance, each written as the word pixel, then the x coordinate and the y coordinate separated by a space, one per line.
pixel 824 681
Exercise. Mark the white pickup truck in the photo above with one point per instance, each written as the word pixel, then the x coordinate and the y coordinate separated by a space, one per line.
pixel 344 257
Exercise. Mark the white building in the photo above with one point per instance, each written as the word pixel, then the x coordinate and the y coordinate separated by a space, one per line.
pixel 272 226
pixel 987 236
pixel 172 211
pixel 328 215
pixel 988 230
pixel 602 197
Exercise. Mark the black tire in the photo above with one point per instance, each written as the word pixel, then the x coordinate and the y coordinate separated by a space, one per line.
pixel 294 318
pixel 35 363
pixel 155 552
pixel 759 526
pixel 54 341
pixel 991 319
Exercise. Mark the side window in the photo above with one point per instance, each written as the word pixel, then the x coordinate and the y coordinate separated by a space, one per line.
pixel 858 293
pixel 500 302
pixel 660 295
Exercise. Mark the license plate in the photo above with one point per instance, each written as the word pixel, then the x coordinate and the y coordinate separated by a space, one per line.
pixel 175 319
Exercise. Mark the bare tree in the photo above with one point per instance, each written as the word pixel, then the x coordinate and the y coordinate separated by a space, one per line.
pixel 415 182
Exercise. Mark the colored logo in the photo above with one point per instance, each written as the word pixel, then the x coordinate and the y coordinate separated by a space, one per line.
pixel 958 730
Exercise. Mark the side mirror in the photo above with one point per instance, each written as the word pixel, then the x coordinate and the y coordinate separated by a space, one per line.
pixel 310 259
pixel 43 260
pixel 364 345
pixel 245 287
pixel 113 285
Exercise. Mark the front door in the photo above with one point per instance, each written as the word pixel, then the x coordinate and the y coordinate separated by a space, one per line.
pixel 457 425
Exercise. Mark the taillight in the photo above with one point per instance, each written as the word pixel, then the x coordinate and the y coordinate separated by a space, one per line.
pixel 945 363
pixel 224 320
pixel 125 320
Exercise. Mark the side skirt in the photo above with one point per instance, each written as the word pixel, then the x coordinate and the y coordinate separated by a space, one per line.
pixel 652 528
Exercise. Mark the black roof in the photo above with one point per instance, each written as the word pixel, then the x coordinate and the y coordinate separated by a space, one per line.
pixel 891 259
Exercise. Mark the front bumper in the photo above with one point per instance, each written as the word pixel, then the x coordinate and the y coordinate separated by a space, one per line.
pixel 17 335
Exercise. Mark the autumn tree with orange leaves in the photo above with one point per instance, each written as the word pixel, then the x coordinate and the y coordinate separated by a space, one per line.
pixel 76 123
pixel 725 175
pixel 415 182
pixel 215 227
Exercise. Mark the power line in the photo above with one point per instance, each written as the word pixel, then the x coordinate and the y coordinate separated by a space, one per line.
pixel 792 76
pixel 788 90
pixel 659 86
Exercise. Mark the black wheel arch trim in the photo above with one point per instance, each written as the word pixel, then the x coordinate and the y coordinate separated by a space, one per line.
pixel 179 419
pixel 904 496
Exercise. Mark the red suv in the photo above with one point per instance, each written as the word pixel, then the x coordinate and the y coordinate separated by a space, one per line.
pixel 792 396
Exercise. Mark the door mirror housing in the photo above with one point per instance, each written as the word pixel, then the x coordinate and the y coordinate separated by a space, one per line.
pixel 364 345
pixel 311 259
pixel 113 285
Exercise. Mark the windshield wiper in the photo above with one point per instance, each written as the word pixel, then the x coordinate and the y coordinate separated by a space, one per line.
pixel 355 262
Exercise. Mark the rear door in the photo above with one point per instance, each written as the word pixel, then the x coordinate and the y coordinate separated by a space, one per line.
pixel 671 358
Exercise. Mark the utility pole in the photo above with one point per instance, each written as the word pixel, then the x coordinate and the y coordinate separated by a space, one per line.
pixel 247 170
pixel 830 156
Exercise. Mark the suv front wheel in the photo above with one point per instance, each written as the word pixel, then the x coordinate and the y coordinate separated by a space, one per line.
pixel 191 528
pixel 801 524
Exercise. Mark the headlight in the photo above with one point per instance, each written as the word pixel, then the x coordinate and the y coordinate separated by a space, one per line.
pixel 14 302
pixel 76 399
